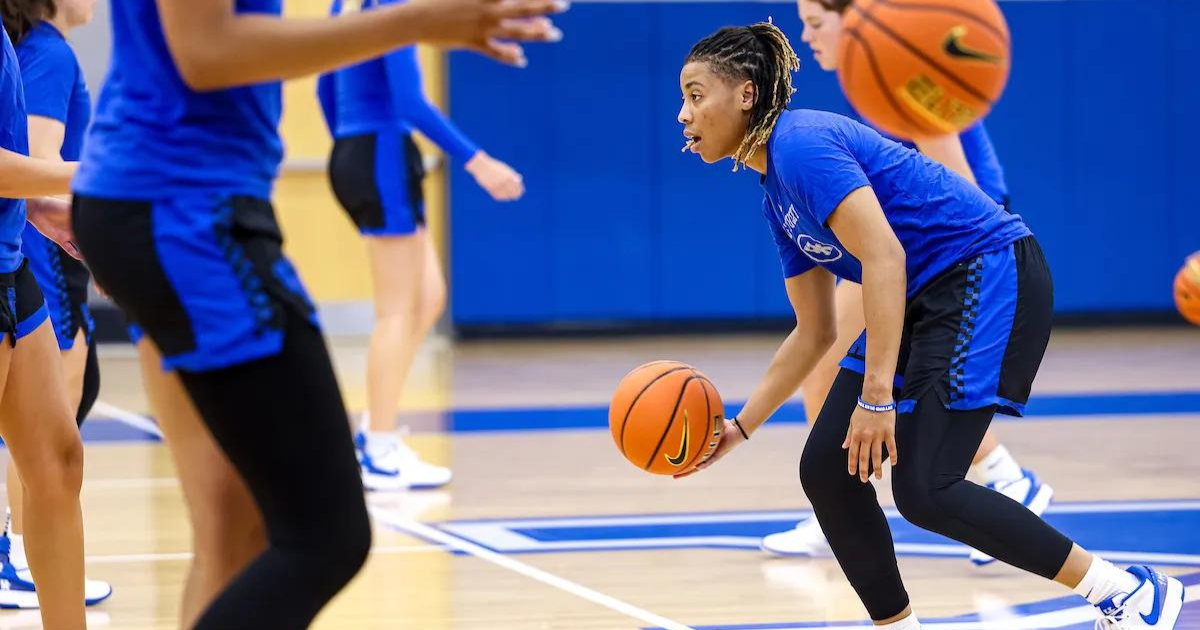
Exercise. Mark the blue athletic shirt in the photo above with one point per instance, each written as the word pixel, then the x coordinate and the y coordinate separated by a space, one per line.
pixel 385 94
pixel 54 85
pixel 154 137
pixel 981 157
pixel 14 136
pixel 815 159
pixel 54 88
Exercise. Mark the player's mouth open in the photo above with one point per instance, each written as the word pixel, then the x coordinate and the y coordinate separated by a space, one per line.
pixel 692 141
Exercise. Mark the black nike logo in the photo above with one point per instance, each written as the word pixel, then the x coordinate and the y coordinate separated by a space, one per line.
pixel 954 47
pixel 678 459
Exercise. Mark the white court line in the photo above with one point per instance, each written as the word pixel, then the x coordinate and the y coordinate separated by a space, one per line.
pixel 137 421
pixel 429 533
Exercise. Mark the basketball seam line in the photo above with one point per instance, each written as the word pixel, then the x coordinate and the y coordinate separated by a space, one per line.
pixel 985 25
pixel 708 423
pixel 879 80
pixel 923 57
pixel 625 420
pixel 674 412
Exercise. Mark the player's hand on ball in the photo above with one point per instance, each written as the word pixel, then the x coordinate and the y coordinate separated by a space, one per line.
pixel 731 437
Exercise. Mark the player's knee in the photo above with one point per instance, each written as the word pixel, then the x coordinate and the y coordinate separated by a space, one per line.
pixel 917 499
pixel 347 545
pixel 433 304
pixel 822 473
pixel 57 471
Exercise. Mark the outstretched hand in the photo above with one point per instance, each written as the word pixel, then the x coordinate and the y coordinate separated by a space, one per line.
pixel 491 27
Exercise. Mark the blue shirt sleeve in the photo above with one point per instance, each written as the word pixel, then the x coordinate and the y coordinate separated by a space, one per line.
pixel 409 102
pixel 793 261
pixel 818 167
pixel 49 73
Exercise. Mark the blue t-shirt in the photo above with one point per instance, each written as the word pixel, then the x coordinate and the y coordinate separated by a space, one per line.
pixel 14 136
pixel 385 94
pixel 154 137
pixel 54 85
pixel 981 157
pixel 815 159
pixel 55 89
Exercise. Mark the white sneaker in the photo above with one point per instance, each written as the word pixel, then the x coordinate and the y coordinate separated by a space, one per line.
pixel 17 590
pixel 1028 491
pixel 805 539
pixel 1155 603
pixel 397 467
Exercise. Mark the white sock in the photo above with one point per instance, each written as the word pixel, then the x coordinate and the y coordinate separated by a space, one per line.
pixel 380 442
pixel 998 466
pixel 16 556
pixel 908 623
pixel 1103 580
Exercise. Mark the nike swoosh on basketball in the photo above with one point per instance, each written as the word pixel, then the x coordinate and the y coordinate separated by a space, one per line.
pixel 954 47
pixel 678 459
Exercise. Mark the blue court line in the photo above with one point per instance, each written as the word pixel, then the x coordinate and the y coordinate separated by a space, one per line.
pixel 1079 406
pixel 1042 406
pixel 1157 532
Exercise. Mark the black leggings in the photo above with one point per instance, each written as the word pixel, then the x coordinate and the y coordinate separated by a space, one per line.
pixel 91 383
pixel 280 420
pixel 936 447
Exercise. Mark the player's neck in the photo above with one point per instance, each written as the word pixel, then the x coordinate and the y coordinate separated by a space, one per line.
pixel 59 22
pixel 758 161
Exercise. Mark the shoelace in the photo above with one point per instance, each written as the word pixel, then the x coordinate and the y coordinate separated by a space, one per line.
pixel 1112 621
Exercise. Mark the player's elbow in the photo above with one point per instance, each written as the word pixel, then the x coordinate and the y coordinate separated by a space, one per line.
pixel 887 254
pixel 199 72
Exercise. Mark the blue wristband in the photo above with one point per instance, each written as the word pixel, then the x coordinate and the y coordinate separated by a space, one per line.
pixel 876 408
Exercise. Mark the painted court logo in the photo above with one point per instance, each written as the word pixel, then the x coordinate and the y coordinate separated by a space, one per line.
pixel 816 250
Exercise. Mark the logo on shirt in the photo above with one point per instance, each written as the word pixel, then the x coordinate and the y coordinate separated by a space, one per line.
pixel 816 250
pixel 790 219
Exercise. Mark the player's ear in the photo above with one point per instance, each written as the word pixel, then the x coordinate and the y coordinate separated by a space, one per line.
pixel 747 95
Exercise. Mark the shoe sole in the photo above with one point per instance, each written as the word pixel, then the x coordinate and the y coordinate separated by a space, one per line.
pixel 370 485
pixel 810 553
pixel 1172 606
pixel 1038 506
pixel 19 600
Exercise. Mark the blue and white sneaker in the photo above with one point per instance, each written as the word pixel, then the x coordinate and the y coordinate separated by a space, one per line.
pixel 1155 603
pixel 1028 491
pixel 805 539
pixel 390 465
pixel 17 590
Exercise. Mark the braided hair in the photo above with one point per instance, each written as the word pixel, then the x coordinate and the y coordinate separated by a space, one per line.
pixel 761 53
pixel 20 16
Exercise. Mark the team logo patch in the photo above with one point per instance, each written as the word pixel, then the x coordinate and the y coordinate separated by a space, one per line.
pixel 816 250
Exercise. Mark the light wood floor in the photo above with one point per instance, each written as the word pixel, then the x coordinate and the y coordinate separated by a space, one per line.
pixel 138 537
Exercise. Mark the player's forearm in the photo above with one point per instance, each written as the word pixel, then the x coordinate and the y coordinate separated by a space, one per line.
pixel 255 48
pixel 794 360
pixel 22 177
pixel 884 289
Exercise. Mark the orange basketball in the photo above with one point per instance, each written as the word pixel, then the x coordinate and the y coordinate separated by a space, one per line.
pixel 923 68
pixel 1187 289
pixel 666 417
